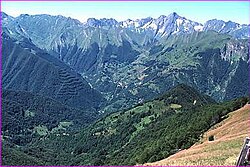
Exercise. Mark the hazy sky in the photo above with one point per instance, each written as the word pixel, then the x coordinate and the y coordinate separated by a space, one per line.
pixel 196 11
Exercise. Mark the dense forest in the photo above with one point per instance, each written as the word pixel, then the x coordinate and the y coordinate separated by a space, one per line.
pixel 151 131
pixel 26 116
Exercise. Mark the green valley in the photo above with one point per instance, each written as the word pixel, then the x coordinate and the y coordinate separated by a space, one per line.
pixel 148 132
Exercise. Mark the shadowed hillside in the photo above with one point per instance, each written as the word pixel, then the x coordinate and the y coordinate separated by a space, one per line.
pixel 33 70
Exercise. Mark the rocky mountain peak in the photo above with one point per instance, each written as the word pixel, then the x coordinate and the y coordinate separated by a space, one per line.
pixel 101 22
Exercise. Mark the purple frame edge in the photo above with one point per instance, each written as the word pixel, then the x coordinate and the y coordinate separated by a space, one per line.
pixel 102 1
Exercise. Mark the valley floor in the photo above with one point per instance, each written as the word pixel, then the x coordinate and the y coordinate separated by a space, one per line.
pixel 229 137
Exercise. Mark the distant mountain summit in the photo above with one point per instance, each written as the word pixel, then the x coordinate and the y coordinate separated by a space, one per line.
pixel 231 28
pixel 102 22
pixel 173 24
pixel 164 25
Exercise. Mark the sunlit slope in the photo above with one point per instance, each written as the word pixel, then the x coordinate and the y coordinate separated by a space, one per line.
pixel 228 135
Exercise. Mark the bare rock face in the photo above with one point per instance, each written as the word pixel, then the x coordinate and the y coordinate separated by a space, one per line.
pixel 234 47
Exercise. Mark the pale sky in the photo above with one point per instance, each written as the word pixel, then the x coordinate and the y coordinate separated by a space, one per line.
pixel 237 11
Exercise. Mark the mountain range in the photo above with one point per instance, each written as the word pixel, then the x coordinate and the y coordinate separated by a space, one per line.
pixel 174 24
pixel 156 54
pixel 88 84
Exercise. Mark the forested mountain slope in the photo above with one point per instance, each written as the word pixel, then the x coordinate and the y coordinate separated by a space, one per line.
pixel 149 132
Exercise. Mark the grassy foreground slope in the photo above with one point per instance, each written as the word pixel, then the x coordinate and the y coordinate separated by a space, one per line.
pixel 228 135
